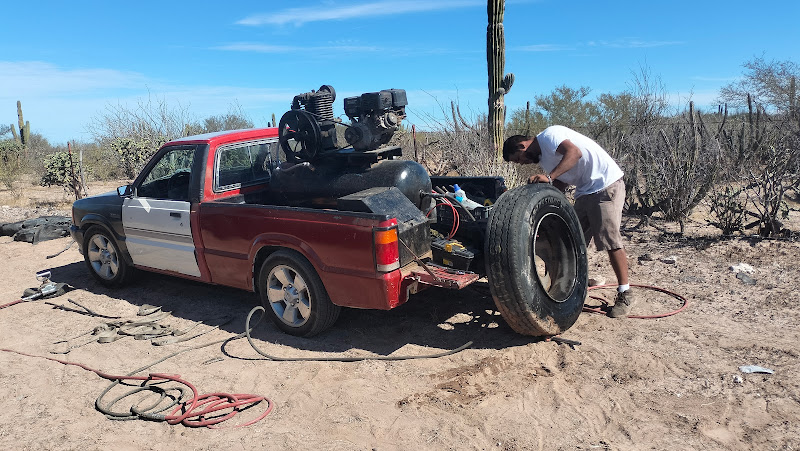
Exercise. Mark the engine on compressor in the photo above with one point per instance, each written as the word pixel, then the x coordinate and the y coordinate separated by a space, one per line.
pixel 308 130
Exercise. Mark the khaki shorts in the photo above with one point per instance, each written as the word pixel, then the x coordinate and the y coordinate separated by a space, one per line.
pixel 600 215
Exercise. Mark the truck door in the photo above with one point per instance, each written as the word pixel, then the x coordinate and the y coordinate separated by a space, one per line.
pixel 156 218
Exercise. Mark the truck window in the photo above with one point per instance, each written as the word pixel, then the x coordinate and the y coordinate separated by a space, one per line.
pixel 244 164
pixel 169 177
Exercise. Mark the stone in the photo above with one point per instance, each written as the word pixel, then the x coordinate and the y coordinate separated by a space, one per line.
pixel 671 260
pixel 597 281
pixel 747 280
pixel 742 267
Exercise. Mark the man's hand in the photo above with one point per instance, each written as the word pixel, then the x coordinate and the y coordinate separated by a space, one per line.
pixel 538 178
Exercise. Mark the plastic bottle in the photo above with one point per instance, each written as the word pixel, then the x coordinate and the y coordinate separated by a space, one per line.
pixel 461 196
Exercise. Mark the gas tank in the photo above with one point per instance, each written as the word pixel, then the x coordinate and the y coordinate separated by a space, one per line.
pixel 319 186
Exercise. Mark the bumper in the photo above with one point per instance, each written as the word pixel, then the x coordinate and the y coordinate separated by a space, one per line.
pixel 77 234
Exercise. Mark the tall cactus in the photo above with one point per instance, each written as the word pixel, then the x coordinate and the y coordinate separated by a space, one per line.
pixel 15 134
pixel 499 85
pixel 24 127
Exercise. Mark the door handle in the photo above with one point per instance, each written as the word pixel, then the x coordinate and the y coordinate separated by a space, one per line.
pixel 175 214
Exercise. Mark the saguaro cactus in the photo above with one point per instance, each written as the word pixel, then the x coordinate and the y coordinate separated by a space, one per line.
pixel 499 85
pixel 24 127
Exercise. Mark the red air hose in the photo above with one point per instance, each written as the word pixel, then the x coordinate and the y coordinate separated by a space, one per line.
pixel 192 416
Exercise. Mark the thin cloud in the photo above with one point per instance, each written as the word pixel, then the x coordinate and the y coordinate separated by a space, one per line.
pixel 299 16
pixel 632 43
pixel 264 48
pixel 715 79
pixel 33 78
pixel 544 48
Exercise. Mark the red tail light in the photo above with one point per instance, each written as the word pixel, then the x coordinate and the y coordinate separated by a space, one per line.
pixel 387 252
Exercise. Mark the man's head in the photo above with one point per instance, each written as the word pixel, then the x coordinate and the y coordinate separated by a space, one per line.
pixel 521 149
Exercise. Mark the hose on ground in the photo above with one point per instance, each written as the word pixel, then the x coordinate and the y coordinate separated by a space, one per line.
pixel 183 403
pixel 648 287
pixel 195 409
pixel 256 348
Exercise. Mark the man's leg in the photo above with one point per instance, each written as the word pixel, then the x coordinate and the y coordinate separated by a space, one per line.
pixel 619 263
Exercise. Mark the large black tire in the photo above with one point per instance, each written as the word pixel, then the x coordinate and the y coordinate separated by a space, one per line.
pixel 536 260
pixel 293 295
pixel 104 258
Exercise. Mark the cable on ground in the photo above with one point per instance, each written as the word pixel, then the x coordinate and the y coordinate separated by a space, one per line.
pixel 648 287
pixel 255 347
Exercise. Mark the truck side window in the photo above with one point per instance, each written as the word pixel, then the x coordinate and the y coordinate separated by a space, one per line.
pixel 169 177
pixel 244 164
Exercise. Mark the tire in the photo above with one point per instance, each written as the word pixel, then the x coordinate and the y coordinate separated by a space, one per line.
pixel 104 258
pixel 536 260
pixel 293 295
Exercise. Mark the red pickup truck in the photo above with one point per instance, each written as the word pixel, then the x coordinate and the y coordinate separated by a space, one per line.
pixel 361 230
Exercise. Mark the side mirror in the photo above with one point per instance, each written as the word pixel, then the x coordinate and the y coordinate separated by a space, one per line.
pixel 125 191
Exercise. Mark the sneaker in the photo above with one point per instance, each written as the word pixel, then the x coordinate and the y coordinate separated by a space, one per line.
pixel 622 304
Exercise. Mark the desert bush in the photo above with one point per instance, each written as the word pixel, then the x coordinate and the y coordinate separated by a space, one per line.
pixel 133 154
pixel 676 168
pixel 234 119
pixel 10 162
pixel 458 146
pixel 62 170
pixel 769 184
pixel 727 208
pixel 57 169
pixel 135 133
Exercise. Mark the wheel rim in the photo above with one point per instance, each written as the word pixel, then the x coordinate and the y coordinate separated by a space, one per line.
pixel 289 295
pixel 103 257
pixel 554 257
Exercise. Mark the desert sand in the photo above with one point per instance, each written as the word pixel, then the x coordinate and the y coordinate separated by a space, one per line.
pixel 631 384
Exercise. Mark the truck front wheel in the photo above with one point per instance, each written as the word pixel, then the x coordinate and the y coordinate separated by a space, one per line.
pixel 293 295
pixel 536 260
pixel 104 259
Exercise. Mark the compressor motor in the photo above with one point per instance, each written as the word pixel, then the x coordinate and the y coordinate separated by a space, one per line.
pixel 308 130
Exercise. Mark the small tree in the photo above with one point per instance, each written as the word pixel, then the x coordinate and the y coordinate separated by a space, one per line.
pixel 772 84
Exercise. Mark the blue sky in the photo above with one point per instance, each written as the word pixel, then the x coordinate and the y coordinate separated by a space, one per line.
pixel 67 61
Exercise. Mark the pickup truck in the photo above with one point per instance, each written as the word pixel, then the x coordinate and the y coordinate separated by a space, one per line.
pixel 310 238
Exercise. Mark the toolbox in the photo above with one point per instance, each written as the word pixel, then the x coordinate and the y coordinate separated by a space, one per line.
pixel 451 253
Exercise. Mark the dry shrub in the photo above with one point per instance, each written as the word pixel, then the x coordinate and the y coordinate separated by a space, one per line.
pixel 455 146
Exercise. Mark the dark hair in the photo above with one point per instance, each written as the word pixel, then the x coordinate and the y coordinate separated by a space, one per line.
pixel 510 146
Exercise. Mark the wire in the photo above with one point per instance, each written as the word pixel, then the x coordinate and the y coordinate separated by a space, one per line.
pixel 456 218
pixel 649 287
pixel 336 359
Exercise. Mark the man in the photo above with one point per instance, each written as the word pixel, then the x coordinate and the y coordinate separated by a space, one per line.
pixel 570 158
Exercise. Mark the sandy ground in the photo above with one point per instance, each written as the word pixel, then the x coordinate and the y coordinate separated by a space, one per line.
pixel 669 383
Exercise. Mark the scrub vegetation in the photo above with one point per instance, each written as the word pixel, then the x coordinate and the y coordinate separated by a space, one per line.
pixel 739 164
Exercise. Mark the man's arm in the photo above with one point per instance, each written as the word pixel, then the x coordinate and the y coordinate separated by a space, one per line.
pixel 570 156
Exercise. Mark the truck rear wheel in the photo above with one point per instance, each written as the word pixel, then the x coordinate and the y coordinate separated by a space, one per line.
pixel 293 295
pixel 536 260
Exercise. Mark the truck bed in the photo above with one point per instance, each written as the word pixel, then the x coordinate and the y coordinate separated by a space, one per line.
pixel 236 232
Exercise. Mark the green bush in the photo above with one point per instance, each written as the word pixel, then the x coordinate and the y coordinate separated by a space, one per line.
pixel 133 154
pixel 56 170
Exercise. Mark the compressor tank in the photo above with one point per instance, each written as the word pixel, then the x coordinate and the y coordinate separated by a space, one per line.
pixel 320 185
